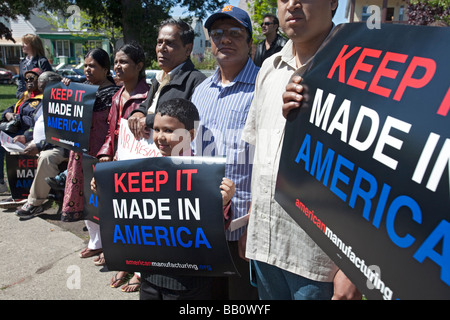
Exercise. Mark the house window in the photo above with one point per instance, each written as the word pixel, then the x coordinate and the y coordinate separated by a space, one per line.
pixel 401 13
pixel 62 48
pixel 93 44
pixel 390 14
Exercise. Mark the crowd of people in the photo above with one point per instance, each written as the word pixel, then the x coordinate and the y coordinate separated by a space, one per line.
pixel 235 107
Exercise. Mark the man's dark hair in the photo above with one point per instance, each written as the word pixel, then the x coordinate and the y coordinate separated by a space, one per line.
pixel 274 18
pixel 186 32
pixel 181 109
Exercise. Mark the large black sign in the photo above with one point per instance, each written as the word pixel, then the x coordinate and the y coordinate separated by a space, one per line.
pixel 365 162
pixel 90 208
pixel 21 170
pixel 163 215
pixel 68 114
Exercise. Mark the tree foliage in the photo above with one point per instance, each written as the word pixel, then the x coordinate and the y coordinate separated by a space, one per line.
pixel 12 9
pixel 138 19
pixel 426 12
pixel 257 10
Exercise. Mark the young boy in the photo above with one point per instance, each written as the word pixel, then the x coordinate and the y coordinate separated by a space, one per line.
pixel 173 131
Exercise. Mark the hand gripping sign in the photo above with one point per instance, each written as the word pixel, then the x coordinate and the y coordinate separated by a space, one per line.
pixel 163 215
pixel 365 162
pixel 68 114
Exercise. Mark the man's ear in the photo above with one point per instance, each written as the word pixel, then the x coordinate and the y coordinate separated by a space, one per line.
pixel 192 133
pixel 189 47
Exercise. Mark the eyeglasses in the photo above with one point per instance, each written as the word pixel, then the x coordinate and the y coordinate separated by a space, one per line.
pixel 266 23
pixel 30 79
pixel 234 33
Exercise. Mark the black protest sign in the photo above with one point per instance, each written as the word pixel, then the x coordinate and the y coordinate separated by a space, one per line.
pixel 21 170
pixel 68 114
pixel 163 215
pixel 365 162
pixel 90 208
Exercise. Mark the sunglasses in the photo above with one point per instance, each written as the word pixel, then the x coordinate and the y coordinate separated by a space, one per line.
pixel 266 23
pixel 30 79
pixel 234 33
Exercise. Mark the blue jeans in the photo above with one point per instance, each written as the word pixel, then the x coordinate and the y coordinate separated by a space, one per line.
pixel 277 284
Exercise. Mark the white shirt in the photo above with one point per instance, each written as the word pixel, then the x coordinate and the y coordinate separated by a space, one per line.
pixel 39 126
pixel 163 78
pixel 273 236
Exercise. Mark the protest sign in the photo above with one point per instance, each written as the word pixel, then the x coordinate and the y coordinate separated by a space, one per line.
pixel 68 114
pixel 365 161
pixel 163 215
pixel 20 170
pixel 130 148
pixel 90 208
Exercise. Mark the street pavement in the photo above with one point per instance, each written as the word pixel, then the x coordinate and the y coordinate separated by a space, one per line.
pixel 39 260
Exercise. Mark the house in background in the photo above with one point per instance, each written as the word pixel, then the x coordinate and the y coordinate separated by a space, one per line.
pixel 392 11
pixel 62 47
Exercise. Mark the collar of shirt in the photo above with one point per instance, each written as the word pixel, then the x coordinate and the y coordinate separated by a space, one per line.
pixel 164 78
pixel 247 75
pixel 287 54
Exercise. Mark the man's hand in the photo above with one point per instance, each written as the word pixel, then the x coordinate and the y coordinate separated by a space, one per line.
pixel 344 289
pixel 136 123
pixel 292 97
pixel 20 138
pixel 31 149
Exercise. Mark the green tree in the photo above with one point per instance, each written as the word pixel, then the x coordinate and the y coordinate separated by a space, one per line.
pixel 12 9
pixel 425 12
pixel 257 10
pixel 139 19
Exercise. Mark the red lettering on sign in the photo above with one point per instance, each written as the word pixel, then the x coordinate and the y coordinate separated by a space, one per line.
pixel 361 66
pixel 60 94
pixel 445 105
pixel 409 81
pixel 383 71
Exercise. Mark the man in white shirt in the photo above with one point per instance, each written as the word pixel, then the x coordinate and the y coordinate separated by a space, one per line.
pixel 287 262
pixel 50 157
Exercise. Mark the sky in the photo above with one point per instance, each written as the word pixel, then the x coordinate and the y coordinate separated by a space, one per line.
pixel 339 17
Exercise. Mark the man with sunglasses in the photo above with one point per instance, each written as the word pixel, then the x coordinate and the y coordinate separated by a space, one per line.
pixel 273 43
pixel 22 114
pixel 223 101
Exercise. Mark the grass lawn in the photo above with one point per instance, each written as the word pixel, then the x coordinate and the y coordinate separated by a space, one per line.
pixel 7 96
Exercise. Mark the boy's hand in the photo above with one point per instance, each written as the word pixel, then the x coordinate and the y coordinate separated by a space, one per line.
pixel 292 97
pixel 93 185
pixel 227 190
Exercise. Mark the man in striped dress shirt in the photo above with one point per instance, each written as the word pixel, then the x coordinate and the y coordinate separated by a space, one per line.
pixel 223 101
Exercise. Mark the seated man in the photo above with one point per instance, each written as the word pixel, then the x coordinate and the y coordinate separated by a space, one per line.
pixel 49 159
pixel 21 114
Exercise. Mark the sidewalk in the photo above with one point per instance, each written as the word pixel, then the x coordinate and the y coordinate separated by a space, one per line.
pixel 40 261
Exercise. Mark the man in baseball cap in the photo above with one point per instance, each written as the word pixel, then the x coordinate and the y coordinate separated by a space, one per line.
pixel 236 13
pixel 222 101
pixel 36 71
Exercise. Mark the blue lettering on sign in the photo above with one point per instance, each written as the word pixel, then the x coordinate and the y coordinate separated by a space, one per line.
pixel 65 124
pixel 342 174
pixel 161 236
